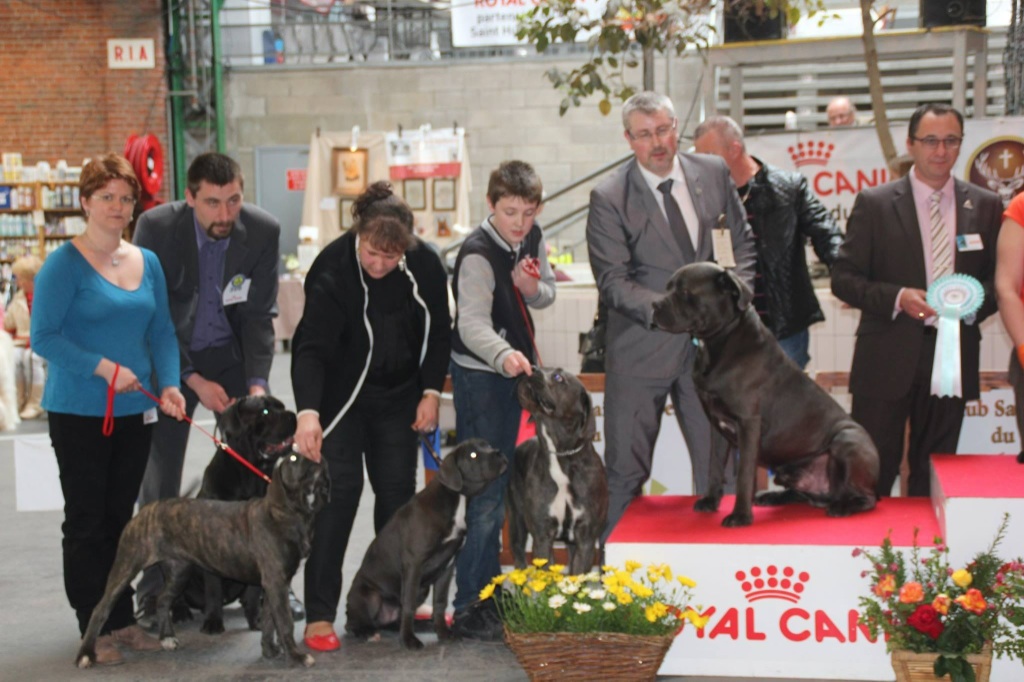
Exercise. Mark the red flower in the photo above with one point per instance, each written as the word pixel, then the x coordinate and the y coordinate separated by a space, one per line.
pixel 925 619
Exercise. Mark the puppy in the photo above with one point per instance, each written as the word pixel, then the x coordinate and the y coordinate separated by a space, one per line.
pixel 558 488
pixel 764 404
pixel 260 429
pixel 259 542
pixel 416 549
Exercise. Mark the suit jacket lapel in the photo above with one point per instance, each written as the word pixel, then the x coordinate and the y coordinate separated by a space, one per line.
pixel 190 250
pixel 237 249
pixel 695 187
pixel 964 224
pixel 906 212
pixel 651 210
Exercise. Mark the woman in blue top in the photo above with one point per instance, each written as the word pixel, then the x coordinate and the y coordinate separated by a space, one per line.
pixel 100 317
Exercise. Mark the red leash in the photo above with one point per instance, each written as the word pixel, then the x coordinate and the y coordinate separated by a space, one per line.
pixel 108 427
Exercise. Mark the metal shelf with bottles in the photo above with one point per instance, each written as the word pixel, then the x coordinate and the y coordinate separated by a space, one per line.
pixel 39 207
pixel 61 213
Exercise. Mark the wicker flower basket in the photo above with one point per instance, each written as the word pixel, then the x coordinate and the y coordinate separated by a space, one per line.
pixel 589 656
pixel 913 667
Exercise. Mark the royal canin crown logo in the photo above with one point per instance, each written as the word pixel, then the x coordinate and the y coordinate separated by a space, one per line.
pixel 771 582
pixel 811 153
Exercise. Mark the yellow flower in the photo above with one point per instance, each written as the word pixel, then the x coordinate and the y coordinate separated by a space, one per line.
pixel 656 572
pixel 886 585
pixel 556 568
pixel 655 611
pixel 499 579
pixel 517 577
pixel 487 592
pixel 642 591
pixel 632 565
pixel 941 603
pixel 696 619
pixel 962 578
pixel 539 563
pixel 538 585
pixel 686 582
pixel 624 597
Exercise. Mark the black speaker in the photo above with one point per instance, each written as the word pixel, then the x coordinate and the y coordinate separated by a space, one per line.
pixel 952 13
pixel 744 27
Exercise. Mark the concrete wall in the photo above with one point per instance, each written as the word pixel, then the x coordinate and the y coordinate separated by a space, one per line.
pixel 508 108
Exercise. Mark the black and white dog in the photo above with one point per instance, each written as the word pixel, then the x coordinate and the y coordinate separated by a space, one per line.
pixel 558 489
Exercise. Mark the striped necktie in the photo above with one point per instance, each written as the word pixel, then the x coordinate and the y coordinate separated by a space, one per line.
pixel 942 254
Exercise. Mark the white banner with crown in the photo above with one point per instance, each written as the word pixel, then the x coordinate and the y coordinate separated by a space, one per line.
pixel 839 162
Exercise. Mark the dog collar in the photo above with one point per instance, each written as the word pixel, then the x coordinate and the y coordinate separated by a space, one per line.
pixel 566 453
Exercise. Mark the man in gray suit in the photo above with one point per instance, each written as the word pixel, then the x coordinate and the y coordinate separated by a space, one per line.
pixel 220 258
pixel 655 214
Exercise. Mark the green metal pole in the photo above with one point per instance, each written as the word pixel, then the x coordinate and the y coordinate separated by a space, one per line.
pixel 218 72
pixel 176 66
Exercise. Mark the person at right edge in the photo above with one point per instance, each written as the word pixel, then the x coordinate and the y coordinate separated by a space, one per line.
pixel 900 238
pixel 1010 292
pixel 502 269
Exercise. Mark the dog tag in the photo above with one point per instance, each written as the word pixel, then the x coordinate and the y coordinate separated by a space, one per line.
pixel 237 290
pixel 149 416
pixel 721 244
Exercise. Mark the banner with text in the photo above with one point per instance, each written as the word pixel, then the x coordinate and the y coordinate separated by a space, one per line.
pixel 476 23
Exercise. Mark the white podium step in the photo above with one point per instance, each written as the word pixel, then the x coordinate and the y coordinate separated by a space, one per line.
pixel 782 594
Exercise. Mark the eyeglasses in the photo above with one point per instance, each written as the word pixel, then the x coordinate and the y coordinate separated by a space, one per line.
pixel 934 142
pixel 110 198
pixel 646 136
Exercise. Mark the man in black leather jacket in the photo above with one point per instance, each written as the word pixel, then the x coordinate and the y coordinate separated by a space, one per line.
pixel 783 213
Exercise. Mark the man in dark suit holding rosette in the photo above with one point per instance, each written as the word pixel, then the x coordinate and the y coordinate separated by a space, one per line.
pixel 918 261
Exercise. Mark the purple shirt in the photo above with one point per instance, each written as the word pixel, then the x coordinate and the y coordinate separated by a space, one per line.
pixel 211 329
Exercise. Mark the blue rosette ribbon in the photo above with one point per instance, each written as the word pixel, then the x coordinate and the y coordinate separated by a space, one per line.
pixel 953 297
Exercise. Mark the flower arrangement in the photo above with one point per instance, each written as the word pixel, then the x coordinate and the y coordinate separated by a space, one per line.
pixel 923 604
pixel 633 601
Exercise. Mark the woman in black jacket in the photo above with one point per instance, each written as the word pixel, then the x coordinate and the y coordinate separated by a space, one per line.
pixel 369 359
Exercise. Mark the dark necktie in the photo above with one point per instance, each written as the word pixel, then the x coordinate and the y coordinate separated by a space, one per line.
pixel 676 222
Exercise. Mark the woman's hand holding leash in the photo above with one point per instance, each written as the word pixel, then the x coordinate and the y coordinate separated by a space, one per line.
pixel 427 413
pixel 120 377
pixel 309 436
pixel 172 402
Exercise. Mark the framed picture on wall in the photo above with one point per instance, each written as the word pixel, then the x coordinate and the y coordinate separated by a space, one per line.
pixel 348 171
pixel 444 194
pixel 415 190
pixel 345 213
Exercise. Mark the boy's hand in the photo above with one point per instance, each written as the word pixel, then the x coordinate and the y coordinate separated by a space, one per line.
pixel 526 276
pixel 516 364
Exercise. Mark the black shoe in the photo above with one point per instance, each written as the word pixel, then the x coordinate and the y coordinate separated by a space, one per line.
pixel 298 610
pixel 480 622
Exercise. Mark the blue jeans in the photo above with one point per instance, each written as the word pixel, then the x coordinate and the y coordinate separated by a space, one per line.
pixel 485 407
pixel 795 347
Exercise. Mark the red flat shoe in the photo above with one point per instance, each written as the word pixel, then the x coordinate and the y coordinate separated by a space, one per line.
pixel 323 642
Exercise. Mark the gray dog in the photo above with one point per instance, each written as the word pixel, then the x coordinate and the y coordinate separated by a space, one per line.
pixel 416 548
pixel 258 542
pixel 558 489
pixel 764 404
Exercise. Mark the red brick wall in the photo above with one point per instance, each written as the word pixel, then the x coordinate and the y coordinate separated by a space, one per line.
pixel 58 99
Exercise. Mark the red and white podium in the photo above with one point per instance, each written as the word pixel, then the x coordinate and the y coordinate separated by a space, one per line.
pixel 782 594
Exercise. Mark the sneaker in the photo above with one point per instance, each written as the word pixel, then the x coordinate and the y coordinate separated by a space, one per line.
pixel 480 622
pixel 136 639
pixel 106 651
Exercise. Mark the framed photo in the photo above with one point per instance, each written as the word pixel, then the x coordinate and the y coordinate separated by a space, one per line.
pixel 345 213
pixel 415 191
pixel 444 194
pixel 349 168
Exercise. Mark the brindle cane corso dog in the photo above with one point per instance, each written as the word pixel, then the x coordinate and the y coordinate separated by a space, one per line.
pixel 260 429
pixel 764 404
pixel 558 489
pixel 416 548
pixel 258 542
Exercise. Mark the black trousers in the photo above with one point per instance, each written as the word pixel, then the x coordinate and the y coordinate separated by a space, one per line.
pixel 100 478
pixel 934 427
pixel 170 440
pixel 378 430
